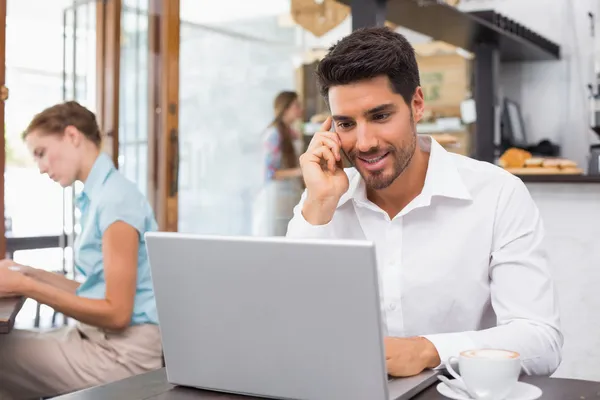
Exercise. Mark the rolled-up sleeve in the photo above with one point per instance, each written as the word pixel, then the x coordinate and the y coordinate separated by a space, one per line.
pixel 523 294
pixel 299 227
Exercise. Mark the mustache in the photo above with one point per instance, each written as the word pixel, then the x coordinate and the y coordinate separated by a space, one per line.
pixel 372 151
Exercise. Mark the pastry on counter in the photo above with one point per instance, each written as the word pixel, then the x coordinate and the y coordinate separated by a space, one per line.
pixel 514 158
pixel 551 163
pixel 568 164
pixel 534 162
pixel 521 162
pixel 559 163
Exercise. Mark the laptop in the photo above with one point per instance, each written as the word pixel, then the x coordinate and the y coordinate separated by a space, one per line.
pixel 273 317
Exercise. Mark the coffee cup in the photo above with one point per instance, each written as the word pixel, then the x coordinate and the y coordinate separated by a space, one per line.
pixel 487 374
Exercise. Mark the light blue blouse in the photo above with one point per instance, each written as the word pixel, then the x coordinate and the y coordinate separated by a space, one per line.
pixel 108 197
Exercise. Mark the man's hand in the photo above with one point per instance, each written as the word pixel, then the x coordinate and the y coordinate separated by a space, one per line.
pixel 323 175
pixel 409 356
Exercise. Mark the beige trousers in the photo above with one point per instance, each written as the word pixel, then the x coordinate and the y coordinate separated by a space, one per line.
pixel 45 364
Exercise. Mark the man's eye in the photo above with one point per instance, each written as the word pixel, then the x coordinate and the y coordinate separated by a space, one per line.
pixel 345 125
pixel 381 117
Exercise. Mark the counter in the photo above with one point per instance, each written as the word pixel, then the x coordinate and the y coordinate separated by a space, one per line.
pixel 560 178
pixel 570 208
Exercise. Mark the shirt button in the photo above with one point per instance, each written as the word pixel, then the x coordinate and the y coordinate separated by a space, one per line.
pixel 392 306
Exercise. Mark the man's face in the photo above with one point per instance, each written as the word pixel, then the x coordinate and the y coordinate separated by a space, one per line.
pixel 376 127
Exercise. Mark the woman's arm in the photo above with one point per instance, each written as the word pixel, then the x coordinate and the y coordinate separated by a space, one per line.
pixel 51 278
pixel 273 163
pixel 120 244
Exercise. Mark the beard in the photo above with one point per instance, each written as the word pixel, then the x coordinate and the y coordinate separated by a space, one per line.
pixel 401 158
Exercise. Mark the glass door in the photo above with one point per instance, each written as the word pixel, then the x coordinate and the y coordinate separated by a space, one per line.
pixel 134 93
pixel 234 58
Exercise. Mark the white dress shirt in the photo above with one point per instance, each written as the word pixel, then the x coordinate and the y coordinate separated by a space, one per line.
pixel 463 264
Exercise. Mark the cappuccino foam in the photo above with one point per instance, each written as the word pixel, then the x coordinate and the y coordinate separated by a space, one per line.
pixel 491 354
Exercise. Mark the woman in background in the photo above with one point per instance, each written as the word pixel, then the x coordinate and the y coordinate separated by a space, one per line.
pixel 116 334
pixel 283 145
pixel 281 139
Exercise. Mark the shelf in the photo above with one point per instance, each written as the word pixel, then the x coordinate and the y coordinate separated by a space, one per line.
pixel 467 30
pixel 510 27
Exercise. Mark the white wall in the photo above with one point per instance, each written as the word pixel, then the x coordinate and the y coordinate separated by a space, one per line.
pixel 553 94
pixel 553 97
pixel 571 214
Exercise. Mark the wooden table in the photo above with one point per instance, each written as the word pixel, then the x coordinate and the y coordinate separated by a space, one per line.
pixel 154 386
pixel 9 308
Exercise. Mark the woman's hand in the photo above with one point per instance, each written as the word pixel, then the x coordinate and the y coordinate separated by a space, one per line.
pixel 11 279
pixel 57 280
pixel 24 269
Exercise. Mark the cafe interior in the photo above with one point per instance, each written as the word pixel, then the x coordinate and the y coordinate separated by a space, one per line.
pixel 183 91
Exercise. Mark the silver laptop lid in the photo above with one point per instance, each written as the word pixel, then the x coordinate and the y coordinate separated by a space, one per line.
pixel 273 317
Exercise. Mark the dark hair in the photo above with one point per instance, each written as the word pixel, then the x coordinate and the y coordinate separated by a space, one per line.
pixel 54 120
pixel 283 101
pixel 368 53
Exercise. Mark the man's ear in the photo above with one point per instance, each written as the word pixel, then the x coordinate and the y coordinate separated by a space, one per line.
pixel 418 104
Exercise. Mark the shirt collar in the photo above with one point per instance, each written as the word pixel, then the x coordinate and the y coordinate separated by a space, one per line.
pixel 102 168
pixel 442 177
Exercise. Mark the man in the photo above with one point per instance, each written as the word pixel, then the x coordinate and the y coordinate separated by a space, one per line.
pixel 459 242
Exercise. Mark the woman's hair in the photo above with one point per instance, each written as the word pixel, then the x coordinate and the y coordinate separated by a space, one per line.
pixel 54 120
pixel 282 103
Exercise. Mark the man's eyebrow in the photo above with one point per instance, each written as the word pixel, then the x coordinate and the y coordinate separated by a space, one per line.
pixel 341 118
pixel 383 107
pixel 374 110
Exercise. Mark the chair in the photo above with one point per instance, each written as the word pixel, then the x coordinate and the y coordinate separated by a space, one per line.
pixel 38 308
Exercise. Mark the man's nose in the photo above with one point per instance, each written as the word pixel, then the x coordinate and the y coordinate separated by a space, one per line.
pixel 365 140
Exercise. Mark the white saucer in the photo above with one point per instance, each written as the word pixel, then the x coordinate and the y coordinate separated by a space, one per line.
pixel 522 391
